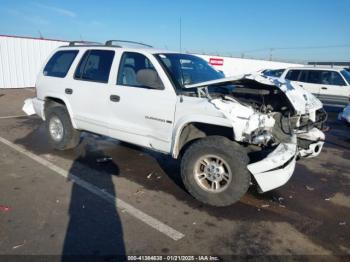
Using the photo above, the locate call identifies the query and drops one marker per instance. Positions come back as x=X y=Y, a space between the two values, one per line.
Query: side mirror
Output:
x=149 y=78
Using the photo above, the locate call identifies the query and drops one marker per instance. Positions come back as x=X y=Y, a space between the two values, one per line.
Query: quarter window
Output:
x=95 y=66
x=59 y=63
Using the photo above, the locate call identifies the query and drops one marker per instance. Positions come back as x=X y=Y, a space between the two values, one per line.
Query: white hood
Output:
x=303 y=101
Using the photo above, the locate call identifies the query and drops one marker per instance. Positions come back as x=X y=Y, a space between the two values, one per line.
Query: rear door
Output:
x=88 y=93
x=140 y=114
x=333 y=89
x=307 y=79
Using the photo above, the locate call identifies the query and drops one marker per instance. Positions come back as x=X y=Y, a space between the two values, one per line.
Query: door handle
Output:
x=68 y=91
x=324 y=88
x=114 y=98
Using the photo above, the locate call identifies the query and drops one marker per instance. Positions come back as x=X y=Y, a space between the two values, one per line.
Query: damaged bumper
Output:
x=311 y=143
x=34 y=106
x=276 y=169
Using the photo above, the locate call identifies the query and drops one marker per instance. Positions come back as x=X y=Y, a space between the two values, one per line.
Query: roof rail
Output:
x=110 y=43
x=74 y=43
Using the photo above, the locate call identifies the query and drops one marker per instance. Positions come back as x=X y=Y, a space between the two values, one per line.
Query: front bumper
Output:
x=276 y=169
x=311 y=143
x=34 y=106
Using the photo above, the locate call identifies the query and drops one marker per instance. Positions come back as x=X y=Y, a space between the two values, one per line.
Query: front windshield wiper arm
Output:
x=203 y=91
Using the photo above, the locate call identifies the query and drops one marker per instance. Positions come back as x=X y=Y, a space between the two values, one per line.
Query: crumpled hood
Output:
x=303 y=101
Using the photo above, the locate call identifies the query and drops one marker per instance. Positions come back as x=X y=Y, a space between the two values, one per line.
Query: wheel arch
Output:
x=54 y=100
x=190 y=131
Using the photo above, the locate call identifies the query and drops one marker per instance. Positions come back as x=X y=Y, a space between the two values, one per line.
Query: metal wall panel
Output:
x=22 y=58
x=232 y=66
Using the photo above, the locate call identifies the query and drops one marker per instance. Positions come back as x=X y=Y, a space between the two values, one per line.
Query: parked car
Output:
x=345 y=115
x=330 y=85
x=228 y=132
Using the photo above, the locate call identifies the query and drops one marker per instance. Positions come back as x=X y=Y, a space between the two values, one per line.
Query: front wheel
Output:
x=214 y=171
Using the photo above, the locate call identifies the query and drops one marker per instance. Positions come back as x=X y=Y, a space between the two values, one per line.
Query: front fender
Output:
x=195 y=118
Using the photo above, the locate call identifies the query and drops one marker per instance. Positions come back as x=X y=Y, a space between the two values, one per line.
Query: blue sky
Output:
x=225 y=27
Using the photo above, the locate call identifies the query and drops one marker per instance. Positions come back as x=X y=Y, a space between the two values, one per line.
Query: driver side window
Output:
x=136 y=70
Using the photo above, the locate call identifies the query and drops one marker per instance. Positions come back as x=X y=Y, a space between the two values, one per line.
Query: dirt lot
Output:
x=66 y=203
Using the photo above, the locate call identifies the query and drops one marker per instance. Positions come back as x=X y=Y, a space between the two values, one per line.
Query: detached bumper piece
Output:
x=28 y=107
x=276 y=169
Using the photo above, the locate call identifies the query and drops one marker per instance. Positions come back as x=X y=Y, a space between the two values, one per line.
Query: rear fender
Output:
x=66 y=103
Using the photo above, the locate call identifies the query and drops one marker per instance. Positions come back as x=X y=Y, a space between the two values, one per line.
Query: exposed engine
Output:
x=268 y=100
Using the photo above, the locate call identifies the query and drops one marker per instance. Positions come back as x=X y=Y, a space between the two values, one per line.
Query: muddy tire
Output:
x=59 y=129
x=214 y=171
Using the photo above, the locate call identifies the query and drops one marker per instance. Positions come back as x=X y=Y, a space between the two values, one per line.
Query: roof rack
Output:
x=74 y=43
x=110 y=43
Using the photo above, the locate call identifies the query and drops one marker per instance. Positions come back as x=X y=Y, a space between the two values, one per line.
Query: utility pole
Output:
x=180 y=39
x=271 y=49
x=40 y=35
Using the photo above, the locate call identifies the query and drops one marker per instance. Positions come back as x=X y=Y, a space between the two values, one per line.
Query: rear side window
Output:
x=314 y=77
x=59 y=63
x=95 y=66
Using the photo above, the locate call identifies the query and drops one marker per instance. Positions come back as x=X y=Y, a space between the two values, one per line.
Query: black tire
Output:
x=236 y=158
x=71 y=136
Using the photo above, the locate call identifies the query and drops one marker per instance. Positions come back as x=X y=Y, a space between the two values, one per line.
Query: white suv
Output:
x=330 y=85
x=228 y=132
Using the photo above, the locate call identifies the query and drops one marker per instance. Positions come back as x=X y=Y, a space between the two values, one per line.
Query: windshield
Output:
x=346 y=75
x=273 y=73
x=188 y=69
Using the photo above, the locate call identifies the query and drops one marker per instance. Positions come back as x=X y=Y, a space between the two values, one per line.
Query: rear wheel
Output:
x=59 y=128
x=214 y=171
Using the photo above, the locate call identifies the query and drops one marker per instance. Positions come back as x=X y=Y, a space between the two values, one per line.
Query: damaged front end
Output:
x=277 y=121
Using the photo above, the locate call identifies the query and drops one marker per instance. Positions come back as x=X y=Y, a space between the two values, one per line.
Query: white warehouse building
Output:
x=22 y=57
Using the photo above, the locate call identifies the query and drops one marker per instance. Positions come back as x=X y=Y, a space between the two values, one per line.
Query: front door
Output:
x=142 y=114
x=333 y=89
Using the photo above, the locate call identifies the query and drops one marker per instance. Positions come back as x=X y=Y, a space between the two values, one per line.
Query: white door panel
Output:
x=333 y=89
x=89 y=102
x=335 y=95
x=312 y=88
x=144 y=116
